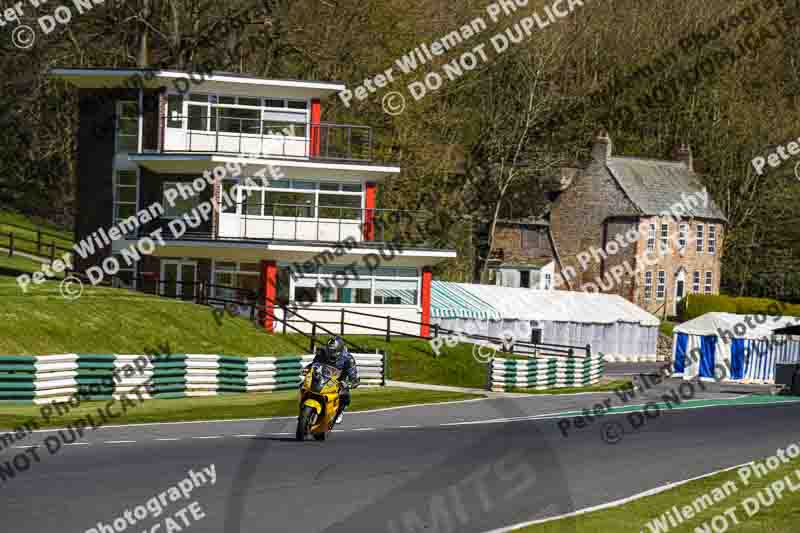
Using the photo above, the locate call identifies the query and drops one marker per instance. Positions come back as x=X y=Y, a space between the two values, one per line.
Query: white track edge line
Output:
x=615 y=503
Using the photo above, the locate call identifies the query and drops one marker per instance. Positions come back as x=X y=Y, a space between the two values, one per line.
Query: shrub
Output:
x=698 y=304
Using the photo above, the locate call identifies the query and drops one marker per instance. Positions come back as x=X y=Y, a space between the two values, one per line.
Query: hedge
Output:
x=698 y=304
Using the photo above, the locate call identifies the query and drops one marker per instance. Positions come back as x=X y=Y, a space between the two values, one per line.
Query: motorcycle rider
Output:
x=337 y=355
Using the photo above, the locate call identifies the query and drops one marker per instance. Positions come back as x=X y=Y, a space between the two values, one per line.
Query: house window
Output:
x=236 y=282
x=127 y=140
x=382 y=286
x=126 y=193
x=181 y=205
x=664 y=237
x=651 y=238
x=683 y=235
x=708 y=282
x=303 y=199
x=648 y=285
x=696 y=282
x=712 y=239
x=245 y=115
x=525 y=279
x=661 y=288
x=701 y=237
x=548 y=281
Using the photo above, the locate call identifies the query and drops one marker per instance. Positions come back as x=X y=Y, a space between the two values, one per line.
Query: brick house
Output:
x=616 y=229
x=146 y=134
x=522 y=255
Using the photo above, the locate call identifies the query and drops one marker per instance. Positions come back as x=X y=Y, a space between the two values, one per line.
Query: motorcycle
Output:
x=319 y=401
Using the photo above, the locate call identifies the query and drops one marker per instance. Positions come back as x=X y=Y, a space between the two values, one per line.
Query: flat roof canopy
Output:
x=214 y=82
x=172 y=163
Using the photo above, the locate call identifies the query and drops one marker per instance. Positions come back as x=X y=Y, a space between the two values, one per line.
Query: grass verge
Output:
x=232 y=406
x=781 y=517
x=600 y=387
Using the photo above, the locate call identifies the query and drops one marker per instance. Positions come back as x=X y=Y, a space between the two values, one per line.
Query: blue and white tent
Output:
x=609 y=323
x=733 y=347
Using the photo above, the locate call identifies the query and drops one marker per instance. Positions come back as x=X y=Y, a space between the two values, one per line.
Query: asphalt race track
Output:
x=458 y=467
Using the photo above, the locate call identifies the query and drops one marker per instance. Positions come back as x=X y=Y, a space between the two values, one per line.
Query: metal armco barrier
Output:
x=57 y=378
x=542 y=373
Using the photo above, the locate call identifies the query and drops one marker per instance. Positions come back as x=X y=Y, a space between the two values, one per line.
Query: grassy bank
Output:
x=105 y=320
x=782 y=517
x=600 y=387
x=233 y=406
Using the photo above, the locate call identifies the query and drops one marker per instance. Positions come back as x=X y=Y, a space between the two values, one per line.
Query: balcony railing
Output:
x=225 y=134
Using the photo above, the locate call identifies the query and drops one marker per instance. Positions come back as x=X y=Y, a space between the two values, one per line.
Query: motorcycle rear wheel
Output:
x=304 y=423
x=320 y=436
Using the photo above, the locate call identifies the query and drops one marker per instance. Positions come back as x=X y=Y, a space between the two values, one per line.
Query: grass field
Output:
x=226 y=407
x=10 y=222
x=782 y=517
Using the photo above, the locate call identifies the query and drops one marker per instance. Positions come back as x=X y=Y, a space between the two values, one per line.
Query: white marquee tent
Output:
x=733 y=347
x=609 y=323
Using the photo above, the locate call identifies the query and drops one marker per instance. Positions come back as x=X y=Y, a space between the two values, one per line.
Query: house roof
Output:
x=656 y=186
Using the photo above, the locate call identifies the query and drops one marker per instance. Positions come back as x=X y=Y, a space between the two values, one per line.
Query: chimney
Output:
x=683 y=153
x=602 y=147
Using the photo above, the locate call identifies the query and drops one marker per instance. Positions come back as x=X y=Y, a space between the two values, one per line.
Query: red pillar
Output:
x=269 y=292
x=316 y=116
x=369 y=214
x=425 y=299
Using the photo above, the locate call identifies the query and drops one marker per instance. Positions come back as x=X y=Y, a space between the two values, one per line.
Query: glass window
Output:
x=198 y=118
x=269 y=102
x=127 y=127
x=352 y=187
x=229 y=190
x=696 y=283
x=340 y=206
x=253 y=102
x=395 y=292
x=253 y=202
x=289 y=204
x=236 y=120
x=664 y=237
x=296 y=104
x=648 y=285
x=198 y=98
x=175 y=111
x=525 y=279
x=125 y=194
x=182 y=205
x=683 y=235
x=712 y=239
x=700 y=243
x=305 y=294
x=661 y=288
x=651 y=238
x=329 y=186
x=709 y=278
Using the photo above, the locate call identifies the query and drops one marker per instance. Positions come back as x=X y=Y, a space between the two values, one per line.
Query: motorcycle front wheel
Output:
x=304 y=423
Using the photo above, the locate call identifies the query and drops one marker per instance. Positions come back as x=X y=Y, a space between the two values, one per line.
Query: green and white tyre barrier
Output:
x=57 y=378
x=543 y=373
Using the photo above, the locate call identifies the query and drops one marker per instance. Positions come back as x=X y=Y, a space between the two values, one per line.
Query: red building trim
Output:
x=425 y=299
x=316 y=116
x=369 y=214
x=269 y=290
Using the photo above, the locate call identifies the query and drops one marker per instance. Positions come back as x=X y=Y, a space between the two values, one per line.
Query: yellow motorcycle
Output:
x=319 y=401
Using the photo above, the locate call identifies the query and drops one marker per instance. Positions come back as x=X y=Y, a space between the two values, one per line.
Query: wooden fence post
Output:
x=389 y=328
x=313 y=336
x=341 y=322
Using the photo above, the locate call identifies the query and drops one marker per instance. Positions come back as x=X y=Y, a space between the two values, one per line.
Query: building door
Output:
x=680 y=290
x=178 y=279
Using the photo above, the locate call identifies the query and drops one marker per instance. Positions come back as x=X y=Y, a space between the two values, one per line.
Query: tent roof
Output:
x=711 y=323
x=493 y=302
